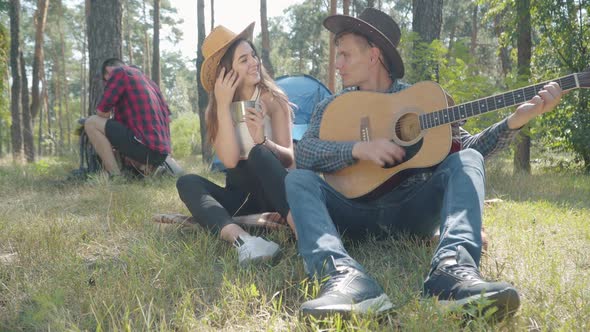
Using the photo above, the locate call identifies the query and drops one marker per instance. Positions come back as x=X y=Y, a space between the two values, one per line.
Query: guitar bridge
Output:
x=365 y=129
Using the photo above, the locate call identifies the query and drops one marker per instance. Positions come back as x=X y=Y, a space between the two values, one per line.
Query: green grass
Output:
x=85 y=256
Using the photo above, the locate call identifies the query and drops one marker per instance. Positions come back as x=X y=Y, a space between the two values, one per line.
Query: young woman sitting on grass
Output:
x=255 y=146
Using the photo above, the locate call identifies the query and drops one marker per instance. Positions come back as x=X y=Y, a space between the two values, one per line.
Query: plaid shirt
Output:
x=137 y=103
x=328 y=156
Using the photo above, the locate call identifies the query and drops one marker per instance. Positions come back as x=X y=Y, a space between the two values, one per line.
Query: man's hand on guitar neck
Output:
x=543 y=102
x=380 y=151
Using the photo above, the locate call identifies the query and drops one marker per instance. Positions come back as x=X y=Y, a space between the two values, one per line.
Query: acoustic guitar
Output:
x=418 y=119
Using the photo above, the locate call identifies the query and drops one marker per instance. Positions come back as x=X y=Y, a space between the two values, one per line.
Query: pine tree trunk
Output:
x=83 y=75
x=203 y=99
x=105 y=41
x=346 y=7
x=127 y=32
x=332 y=54
x=41 y=18
x=265 y=39
x=474 y=30
x=40 y=133
x=58 y=105
x=28 y=140
x=48 y=111
x=427 y=19
x=156 y=42
x=451 y=41
x=146 y=42
x=15 y=100
x=64 y=79
x=504 y=55
x=584 y=104
x=427 y=23
x=522 y=153
x=212 y=14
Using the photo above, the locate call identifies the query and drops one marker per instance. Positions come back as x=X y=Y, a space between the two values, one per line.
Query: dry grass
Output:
x=84 y=256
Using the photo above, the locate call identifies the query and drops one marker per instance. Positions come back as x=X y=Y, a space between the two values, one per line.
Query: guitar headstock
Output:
x=584 y=78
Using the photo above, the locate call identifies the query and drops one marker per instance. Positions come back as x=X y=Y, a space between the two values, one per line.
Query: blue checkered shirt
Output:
x=329 y=156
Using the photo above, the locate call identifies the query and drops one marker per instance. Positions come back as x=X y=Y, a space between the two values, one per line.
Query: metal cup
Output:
x=238 y=109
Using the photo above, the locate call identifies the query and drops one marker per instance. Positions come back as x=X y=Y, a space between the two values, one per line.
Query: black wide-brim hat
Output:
x=379 y=28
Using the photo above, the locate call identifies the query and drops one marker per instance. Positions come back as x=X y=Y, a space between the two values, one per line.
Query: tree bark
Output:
x=522 y=153
x=127 y=32
x=203 y=98
x=103 y=21
x=504 y=55
x=83 y=72
x=16 y=127
x=584 y=151
x=156 y=44
x=28 y=141
x=474 y=25
x=427 y=23
x=40 y=133
x=5 y=78
x=346 y=7
x=265 y=39
x=212 y=15
x=58 y=104
x=41 y=19
x=427 y=19
x=64 y=79
x=146 y=42
x=48 y=111
x=451 y=41
x=332 y=59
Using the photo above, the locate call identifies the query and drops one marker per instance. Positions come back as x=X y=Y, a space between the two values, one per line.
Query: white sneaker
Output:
x=253 y=249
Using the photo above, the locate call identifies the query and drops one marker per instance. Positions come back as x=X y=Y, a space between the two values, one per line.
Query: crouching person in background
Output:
x=139 y=128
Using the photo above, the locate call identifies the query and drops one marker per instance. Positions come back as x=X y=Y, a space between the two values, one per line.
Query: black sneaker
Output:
x=461 y=284
x=348 y=291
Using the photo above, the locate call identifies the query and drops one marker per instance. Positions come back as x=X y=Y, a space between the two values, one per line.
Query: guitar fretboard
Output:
x=496 y=102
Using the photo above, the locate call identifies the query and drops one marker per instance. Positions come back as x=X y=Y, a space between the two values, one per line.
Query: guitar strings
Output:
x=565 y=82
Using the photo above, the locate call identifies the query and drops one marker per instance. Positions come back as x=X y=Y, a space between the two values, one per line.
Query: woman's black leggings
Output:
x=255 y=185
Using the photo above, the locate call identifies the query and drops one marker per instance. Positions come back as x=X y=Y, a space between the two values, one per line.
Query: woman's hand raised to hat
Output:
x=225 y=87
x=255 y=122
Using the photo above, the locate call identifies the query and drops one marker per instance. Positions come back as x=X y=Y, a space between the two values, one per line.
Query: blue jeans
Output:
x=452 y=198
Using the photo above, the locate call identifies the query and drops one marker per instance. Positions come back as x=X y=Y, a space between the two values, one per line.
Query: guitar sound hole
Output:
x=407 y=128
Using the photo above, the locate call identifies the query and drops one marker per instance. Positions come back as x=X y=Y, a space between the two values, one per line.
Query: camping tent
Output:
x=305 y=92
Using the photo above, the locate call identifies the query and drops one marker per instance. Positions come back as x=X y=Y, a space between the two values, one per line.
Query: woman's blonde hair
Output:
x=266 y=84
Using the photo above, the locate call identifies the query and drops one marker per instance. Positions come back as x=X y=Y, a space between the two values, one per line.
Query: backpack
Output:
x=89 y=160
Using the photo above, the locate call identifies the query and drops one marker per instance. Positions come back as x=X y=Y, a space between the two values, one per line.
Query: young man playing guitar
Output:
x=448 y=195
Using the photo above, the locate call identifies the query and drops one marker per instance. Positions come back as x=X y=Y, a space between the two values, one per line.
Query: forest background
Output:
x=472 y=48
x=82 y=255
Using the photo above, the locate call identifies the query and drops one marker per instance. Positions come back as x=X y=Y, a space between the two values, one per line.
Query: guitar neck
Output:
x=493 y=103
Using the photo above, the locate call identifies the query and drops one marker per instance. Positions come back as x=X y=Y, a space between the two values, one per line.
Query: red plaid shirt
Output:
x=137 y=103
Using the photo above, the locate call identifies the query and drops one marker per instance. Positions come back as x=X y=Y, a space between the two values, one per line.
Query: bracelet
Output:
x=263 y=141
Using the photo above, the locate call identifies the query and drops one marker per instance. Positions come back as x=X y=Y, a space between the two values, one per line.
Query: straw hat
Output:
x=379 y=28
x=214 y=47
